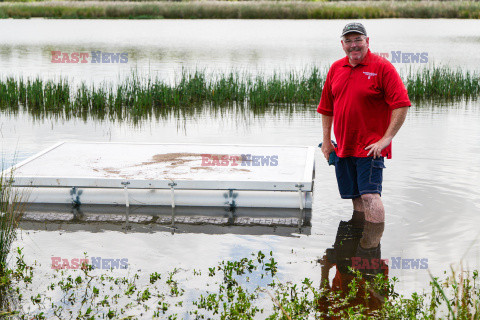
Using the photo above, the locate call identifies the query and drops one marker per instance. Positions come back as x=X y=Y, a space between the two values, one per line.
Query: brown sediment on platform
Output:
x=172 y=157
x=177 y=159
x=111 y=170
x=114 y=171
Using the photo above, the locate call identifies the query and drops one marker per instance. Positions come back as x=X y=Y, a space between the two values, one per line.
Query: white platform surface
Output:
x=98 y=164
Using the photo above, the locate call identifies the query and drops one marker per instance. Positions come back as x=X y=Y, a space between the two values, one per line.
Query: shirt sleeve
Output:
x=396 y=95
x=326 y=101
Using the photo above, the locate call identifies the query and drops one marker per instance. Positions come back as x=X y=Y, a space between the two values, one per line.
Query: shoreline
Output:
x=240 y=10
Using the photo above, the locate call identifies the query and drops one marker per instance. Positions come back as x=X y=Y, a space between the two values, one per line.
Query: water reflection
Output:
x=151 y=219
x=356 y=248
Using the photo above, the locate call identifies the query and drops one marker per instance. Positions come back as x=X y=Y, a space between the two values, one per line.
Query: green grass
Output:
x=241 y=9
x=439 y=83
x=247 y=288
x=136 y=98
x=11 y=207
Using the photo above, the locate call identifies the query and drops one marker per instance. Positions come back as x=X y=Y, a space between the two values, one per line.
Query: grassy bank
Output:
x=247 y=288
x=137 y=98
x=242 y=10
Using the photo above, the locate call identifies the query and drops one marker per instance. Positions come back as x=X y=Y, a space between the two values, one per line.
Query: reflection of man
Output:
x=357 y=246
x=367 y=103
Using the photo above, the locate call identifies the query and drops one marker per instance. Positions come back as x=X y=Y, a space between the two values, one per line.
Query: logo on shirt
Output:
x=370 y=74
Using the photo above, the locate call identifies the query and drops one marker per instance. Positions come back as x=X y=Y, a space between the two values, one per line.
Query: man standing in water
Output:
x=367 y=103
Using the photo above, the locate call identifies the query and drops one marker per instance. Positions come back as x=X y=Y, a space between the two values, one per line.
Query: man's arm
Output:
x=325 y=107
x=398 y=117
x=396 y=122
x=327 y=145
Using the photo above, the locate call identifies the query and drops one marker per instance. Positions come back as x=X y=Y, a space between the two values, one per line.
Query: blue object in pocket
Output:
x=333 y=156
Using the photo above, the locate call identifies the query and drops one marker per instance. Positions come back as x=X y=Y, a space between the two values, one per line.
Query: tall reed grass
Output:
x=242 y=9
x=137 y=98
x=11 y=207
x=442 y=83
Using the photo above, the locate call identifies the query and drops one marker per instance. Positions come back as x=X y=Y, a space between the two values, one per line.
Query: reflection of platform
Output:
x=169 y=175
x=214 y=220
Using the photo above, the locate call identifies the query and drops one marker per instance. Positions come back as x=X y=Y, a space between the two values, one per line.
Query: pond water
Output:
x=431 y=195
x=431 y=186
x=161 y=48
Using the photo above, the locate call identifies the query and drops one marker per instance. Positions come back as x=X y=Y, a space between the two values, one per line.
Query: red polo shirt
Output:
x=361 y=100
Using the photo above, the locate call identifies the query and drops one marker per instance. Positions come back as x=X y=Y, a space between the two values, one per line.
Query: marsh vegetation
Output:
x=137 y=98
x=12 y=205
x=242 y=9
x=247 y=288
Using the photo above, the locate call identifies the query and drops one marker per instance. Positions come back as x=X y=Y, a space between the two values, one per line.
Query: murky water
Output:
x=160 y=48
x=431 y=195
x=431 y=186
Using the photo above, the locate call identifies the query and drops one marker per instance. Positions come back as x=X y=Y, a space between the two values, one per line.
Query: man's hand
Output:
x=377 y=147
x=327 y=148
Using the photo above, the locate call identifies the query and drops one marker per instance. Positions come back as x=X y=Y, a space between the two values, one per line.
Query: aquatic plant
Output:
x=242 y=9
x=138 y=98
x=246 y=288
x=12 y=206
x=442 y=83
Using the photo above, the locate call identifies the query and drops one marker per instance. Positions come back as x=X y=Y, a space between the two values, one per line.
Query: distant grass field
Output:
x=240 y=9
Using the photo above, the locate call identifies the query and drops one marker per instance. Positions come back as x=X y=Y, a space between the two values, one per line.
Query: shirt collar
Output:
x=364 y=62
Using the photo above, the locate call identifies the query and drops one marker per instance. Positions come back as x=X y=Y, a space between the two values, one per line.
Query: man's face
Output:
x=355 y=46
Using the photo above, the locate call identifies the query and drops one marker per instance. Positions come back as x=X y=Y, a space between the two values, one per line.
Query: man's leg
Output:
x=358 y=204
x=358 y=215
x=346 y=174
x=374 y=210
x=370 y=177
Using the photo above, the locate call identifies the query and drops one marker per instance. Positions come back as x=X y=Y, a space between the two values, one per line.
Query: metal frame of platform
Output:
x=230 y=187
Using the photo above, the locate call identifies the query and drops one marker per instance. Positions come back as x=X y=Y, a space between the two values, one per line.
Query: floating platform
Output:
x=155 y=174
